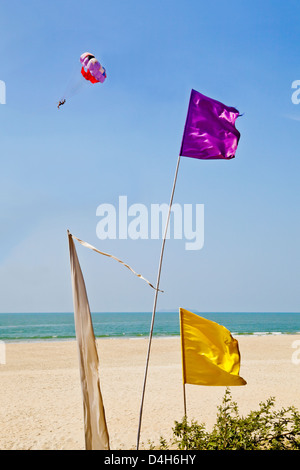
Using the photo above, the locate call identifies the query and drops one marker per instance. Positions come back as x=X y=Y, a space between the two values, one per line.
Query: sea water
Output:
x=23 y=327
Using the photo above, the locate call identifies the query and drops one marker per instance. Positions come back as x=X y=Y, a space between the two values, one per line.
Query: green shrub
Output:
x=265 y=429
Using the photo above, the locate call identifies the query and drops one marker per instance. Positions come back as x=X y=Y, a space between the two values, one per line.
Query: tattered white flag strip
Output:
x=95 y=428
x=87 y=245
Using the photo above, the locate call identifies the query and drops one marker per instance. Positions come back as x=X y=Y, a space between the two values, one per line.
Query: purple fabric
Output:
x=209 y=131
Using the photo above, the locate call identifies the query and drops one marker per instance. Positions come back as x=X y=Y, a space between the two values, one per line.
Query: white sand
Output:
x=40 y=394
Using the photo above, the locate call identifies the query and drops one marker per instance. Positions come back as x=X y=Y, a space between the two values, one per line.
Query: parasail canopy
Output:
x=91 y=69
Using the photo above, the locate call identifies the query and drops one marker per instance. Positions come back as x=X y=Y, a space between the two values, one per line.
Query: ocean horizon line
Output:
x=157 y=311
x=57 y=326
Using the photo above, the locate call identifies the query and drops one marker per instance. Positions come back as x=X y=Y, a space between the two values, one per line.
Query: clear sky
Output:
x=123 y=138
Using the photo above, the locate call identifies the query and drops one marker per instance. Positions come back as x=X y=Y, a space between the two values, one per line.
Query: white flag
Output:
x=96 y=434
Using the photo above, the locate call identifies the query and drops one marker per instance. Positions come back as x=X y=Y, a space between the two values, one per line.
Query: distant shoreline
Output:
x=145 y=338
x=40 y=327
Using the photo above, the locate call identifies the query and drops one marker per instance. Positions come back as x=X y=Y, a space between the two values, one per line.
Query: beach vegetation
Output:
x=264 y=429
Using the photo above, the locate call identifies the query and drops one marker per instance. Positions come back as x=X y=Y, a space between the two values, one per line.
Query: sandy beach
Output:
x=41 y=405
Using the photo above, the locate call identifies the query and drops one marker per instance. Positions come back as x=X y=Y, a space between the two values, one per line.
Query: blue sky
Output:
x=123 y=138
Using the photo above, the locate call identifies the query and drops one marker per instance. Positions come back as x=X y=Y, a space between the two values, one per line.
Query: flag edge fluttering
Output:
x=232 y=378
x=215 y=157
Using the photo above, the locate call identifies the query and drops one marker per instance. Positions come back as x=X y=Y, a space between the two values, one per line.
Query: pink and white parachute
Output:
x=92 y=70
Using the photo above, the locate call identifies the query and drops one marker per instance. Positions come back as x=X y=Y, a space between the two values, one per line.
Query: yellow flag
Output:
x=210 y=355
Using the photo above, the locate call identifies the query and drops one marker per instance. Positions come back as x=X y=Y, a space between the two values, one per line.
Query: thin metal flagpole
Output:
x=182 y=360
x=184 y=400
x=155 y=302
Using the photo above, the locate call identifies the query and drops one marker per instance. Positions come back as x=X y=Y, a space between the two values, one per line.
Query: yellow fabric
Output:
x=210 y=355
x=95 y=428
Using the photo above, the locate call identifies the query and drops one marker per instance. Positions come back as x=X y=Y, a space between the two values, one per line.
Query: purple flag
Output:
x=209 y=131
